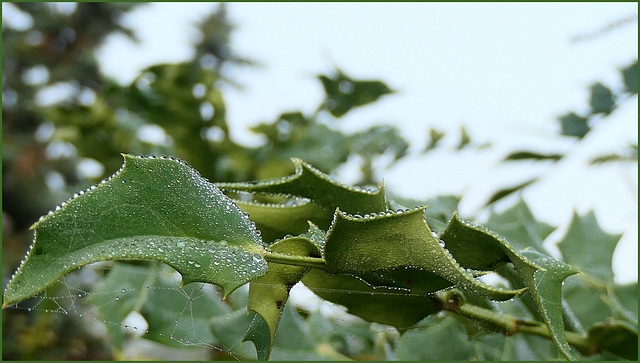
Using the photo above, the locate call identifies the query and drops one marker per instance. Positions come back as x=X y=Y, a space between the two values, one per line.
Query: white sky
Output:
x=504 y=70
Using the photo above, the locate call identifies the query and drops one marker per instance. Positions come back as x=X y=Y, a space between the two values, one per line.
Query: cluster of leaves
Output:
x=101 y=118
x=348 y=245
x=47 y=146
x=603 y=101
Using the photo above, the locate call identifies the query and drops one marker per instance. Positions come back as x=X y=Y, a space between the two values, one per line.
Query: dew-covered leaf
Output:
x=588 y=247
x=546 y=287
x=479 y=249
x=382 y=304
x=398 y=250
x=152 y=209
x=617 y=337
x=278 y=220
x=308 y=182
x=519 y=226
x=269 y=293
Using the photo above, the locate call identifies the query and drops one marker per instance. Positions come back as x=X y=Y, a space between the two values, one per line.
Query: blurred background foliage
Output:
x=64 y=126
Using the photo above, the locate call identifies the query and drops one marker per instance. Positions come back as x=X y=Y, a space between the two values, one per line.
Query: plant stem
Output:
x=304 y=261
x=510 y=325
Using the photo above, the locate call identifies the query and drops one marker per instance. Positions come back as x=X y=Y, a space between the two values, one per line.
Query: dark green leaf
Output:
x=529 y=155
x=508 y=191
x=588 y=247
x=630 y=75
x=154 y=209
x=574 y=125
x=344 y=93
x=380 y=304
x=601 y=99
x=617 y=337
x=398 y=250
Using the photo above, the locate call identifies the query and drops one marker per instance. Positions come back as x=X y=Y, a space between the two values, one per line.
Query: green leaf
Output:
x=278 y=220
x=519 y=226
x=546 y=287
x=119 y=294
x=617 y=337
x=601 y=99
x=152 y=209
x=574 y=125
x=231 y=329
x=476 y=248
x=508 y=191
x=465 y=139
x=434 y=138
x=630 y=75
x=529 y=155
x=398 y=250
x=344 y=93
x=379 y=140
x=588 y=247
x=269 y=293
x=310 y=183
x=376 y=304
x=440 y=338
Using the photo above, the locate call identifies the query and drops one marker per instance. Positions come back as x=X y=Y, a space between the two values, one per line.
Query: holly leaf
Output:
x=384 y=305
x=588 y=247
x=601 y=99
x=269 y=293
x=479 y=249
x=398 y=250
x=546 y=288
x=519 y=226
x=275 y=221
x=617 y=337
x=151 y=209
x=574 y=125
x=344 y=93
x=310 y=183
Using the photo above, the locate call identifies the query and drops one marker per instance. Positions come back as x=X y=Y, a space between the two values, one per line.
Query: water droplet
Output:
x=180 y=244
x=197 y=264
x=117 y=298
x=191 y=262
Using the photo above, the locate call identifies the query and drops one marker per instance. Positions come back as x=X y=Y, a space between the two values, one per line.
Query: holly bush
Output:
x=417 y=281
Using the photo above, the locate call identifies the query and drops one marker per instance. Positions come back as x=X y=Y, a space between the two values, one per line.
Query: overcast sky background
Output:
x=505 y=71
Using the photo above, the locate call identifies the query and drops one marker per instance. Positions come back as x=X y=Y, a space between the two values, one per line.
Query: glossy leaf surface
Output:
x=310 y=183
x=151 y=209
x=398 y=250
